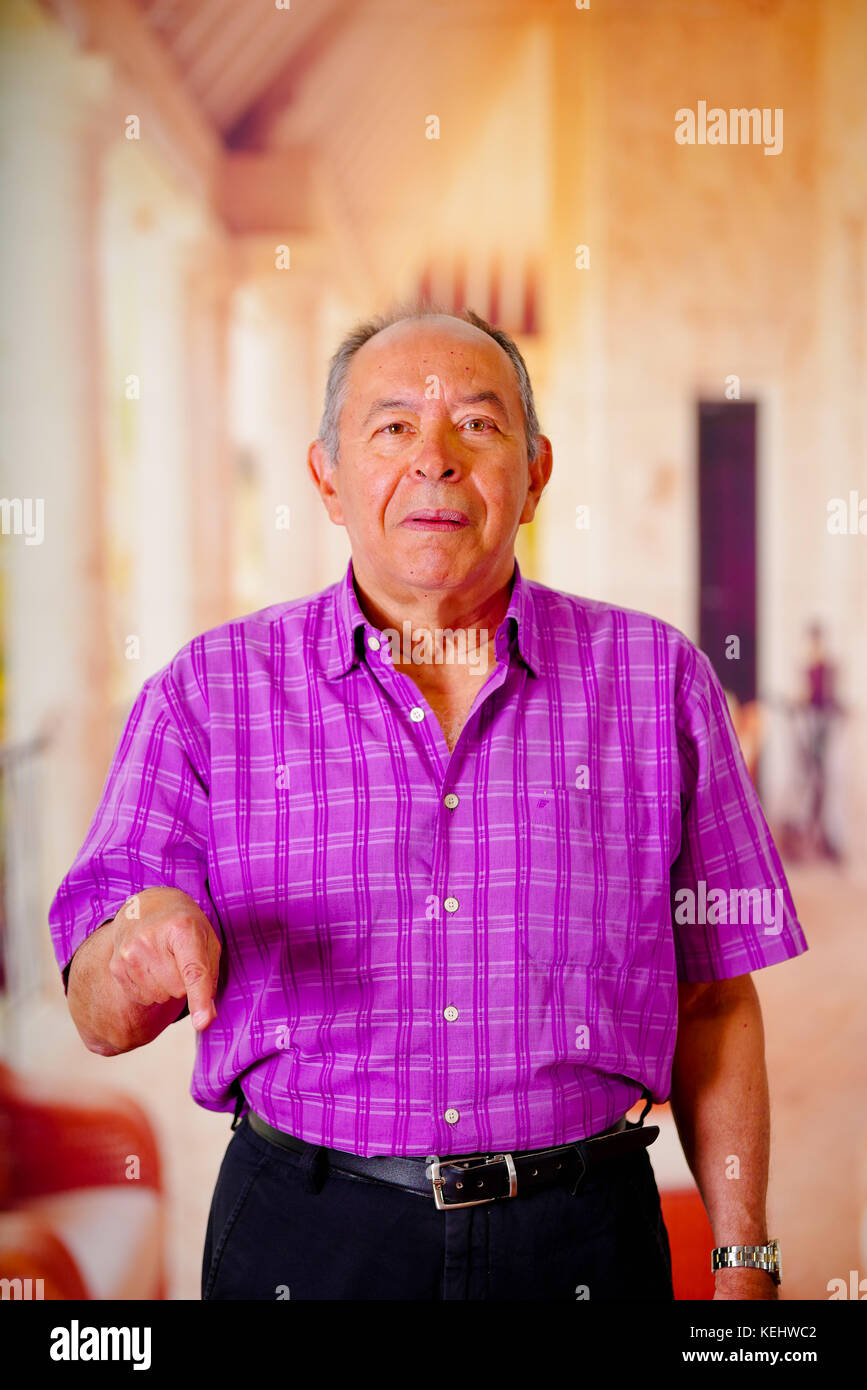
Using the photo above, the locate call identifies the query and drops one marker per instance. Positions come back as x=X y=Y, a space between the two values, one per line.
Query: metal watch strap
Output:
x=766 y=1257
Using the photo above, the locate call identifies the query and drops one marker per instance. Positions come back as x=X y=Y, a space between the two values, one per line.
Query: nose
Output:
x=435 y=461
x=435 y=470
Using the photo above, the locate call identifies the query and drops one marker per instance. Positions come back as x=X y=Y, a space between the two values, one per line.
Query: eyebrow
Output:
x=399 y=403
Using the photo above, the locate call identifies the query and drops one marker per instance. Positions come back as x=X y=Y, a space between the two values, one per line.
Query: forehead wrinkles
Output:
x=404 y=370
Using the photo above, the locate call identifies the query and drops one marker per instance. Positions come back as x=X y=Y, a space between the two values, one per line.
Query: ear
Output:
x=326 y=480
x=540 y=472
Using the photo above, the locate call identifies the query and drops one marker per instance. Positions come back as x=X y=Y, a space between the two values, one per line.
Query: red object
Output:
x=31 y=1254
x=52 y=1144
x=691 y=1240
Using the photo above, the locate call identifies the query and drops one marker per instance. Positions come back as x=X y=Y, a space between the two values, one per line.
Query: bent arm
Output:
x=719 y=1099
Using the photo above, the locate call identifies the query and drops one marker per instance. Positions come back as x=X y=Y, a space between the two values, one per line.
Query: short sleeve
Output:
x=150 y=829
x=732 y=911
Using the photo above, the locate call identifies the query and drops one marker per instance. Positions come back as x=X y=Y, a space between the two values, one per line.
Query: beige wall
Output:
x=705 y=262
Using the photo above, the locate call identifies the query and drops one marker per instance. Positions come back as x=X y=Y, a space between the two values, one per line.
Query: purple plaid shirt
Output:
x=427 y=952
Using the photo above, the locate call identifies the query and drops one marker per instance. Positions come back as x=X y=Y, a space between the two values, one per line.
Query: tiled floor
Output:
x=815 y=1028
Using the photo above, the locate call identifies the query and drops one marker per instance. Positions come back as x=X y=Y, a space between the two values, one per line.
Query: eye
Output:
x=479 y=420
x=392 y=425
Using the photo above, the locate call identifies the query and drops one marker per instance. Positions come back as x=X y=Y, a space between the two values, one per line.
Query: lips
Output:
x=436 y=519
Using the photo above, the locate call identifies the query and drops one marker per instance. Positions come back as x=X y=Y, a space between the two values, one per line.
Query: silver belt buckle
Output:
x=433 y=1171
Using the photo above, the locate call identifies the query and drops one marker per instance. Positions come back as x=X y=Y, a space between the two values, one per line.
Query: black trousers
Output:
x=282 y=1227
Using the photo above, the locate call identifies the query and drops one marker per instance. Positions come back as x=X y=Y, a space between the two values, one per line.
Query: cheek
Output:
x=369 y=496
x=503 y=498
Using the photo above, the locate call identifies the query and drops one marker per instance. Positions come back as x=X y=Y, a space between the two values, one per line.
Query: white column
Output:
x=55 y=658
x=162 y=603
x=163 y=268
x=276 y=408
x=210 y=293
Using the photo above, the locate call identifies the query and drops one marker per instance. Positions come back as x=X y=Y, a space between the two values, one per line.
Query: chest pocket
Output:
x=595 y=875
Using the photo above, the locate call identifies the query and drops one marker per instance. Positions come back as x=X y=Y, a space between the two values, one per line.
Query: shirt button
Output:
x=451 y=800
x=451 y=904
x=450 y=1013
x=452 y=1116
x=416 y=714
x=374 y=643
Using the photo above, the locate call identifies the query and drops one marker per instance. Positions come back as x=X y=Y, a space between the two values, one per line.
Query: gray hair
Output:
x=338 y=372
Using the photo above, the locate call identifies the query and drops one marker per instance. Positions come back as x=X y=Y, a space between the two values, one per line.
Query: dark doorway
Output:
x=727 y=534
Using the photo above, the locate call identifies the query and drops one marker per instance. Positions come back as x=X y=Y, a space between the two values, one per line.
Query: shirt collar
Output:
x=519 y=623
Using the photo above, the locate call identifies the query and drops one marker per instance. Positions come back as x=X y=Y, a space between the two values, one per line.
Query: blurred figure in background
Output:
x=821 y=709
x=807 y=831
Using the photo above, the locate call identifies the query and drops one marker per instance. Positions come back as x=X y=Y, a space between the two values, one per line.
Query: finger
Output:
x=190 y=950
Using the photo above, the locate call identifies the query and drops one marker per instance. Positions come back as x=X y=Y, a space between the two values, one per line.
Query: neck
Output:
x=458 y=610
x=416 y=615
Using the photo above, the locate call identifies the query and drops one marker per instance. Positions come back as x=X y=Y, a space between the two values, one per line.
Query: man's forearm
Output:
x=109 y=1022
x=720 y=1104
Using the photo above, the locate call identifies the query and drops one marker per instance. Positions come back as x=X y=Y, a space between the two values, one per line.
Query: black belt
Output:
x=467 y=1180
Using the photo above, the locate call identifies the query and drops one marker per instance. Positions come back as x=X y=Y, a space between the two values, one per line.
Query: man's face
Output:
x=433 y=478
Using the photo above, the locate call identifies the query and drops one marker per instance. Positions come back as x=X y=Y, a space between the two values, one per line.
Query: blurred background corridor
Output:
x=200 y=198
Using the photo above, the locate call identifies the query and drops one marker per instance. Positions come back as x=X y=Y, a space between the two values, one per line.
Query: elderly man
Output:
x=450 y=870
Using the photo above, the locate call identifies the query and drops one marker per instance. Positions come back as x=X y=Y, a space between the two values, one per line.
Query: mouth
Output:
x=437 y=519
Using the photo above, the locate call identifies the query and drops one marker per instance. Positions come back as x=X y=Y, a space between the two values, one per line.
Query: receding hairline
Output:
x=479 y=395
x=443 y=320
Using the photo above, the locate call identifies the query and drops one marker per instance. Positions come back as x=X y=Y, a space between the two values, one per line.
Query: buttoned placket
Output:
x=455 y=797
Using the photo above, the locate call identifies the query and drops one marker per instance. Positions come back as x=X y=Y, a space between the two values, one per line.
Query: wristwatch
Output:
x=766 y=1257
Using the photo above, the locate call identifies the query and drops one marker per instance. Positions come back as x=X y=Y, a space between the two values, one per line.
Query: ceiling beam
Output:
x=118 y=29
x=253 y=128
